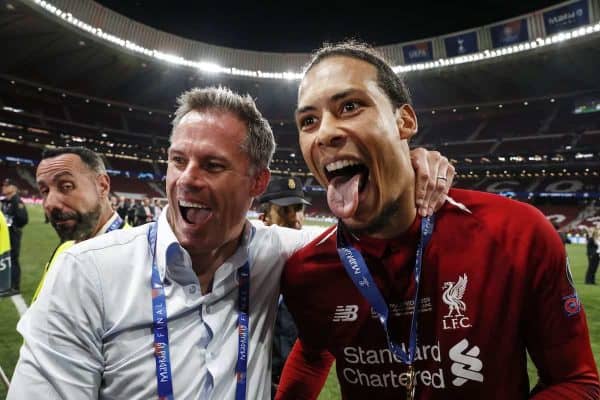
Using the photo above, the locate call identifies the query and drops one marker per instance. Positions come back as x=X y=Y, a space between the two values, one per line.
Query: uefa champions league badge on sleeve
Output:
x=571 y=305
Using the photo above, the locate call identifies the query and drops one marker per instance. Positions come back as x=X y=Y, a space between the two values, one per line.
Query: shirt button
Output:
x=192 y=289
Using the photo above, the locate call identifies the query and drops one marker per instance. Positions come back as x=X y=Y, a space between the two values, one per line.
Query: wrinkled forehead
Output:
x=64 y=164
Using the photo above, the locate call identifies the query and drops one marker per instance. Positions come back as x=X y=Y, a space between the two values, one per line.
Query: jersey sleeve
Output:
x=61 y=356
x=556 y=331
x=304 y=373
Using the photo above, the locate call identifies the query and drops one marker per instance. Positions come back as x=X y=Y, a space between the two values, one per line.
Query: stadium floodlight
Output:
x=210 y=67
x=290 y=75
x=12 y=109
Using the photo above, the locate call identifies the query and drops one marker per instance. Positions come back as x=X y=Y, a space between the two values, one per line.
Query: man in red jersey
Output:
x=411 y=307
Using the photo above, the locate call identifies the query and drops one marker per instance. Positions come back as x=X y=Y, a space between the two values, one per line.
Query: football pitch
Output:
x=39 y=240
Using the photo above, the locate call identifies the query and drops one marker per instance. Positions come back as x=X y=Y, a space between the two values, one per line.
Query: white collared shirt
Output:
x=89 y=336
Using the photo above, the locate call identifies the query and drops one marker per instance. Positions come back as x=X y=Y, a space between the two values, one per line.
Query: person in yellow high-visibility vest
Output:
x=76 y=197
x=5 y=283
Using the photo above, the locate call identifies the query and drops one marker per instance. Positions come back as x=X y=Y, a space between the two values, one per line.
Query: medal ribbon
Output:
x=161 y=332
x=358 y=271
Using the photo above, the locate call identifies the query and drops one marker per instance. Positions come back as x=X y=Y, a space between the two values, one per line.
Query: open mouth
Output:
x=339 y=172
x=194 y=213
x=347 y=179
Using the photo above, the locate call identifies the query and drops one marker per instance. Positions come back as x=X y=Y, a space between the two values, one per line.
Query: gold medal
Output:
x=412 y=383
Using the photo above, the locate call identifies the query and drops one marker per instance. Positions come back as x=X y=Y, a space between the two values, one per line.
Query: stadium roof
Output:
x=302 y=26
x=39 y=48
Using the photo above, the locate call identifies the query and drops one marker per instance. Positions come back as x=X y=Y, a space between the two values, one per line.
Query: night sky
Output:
x=302 y=26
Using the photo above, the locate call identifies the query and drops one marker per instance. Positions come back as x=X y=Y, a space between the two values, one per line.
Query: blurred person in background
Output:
x=133 y=205
x=283 y=204
x=123 y=207
x=439 y=307
x=563 y=235
x=5 y=259
x=157 y=209
x=593 y=255
x=16 y=216
x=144 y=212
x=75 y=191
x=114 y=202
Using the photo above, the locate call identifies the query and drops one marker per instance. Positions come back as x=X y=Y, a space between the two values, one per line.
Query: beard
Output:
x=83 y=228
x=390 y=210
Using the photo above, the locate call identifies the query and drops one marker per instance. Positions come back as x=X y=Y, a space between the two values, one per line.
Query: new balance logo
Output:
x=466 y=366
x=347 y=313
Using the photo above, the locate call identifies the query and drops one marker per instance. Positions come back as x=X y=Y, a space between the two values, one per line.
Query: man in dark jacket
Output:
x=283 y=204
x=16 y=217
x=593 y=236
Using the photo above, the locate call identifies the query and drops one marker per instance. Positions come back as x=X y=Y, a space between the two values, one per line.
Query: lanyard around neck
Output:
x=358 y=271
x=161 y=332
x=116 y=224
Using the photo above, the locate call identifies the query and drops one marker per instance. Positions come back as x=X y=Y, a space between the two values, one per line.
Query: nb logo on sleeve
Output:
x=347 y=313
x=466 y=366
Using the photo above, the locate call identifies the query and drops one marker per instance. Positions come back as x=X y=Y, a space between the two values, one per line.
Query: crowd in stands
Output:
x=138 y=211
x=520 y=149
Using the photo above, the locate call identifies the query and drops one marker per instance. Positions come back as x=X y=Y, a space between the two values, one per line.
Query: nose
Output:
x=329 y=133
x=192 y=176
x=53 y=201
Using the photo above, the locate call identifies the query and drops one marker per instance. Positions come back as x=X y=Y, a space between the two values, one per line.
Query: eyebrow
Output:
x=55 y=178
x=335 y=97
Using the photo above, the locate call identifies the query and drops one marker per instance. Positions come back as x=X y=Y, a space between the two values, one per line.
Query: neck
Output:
x=399 y=222
x=206 y=263
x=394 y=219
x=105 y=214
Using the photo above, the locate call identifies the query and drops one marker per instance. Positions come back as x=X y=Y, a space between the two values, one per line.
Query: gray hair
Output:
x=259 y=143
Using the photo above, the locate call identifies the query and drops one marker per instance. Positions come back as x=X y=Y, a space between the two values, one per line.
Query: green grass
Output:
x=39 y=240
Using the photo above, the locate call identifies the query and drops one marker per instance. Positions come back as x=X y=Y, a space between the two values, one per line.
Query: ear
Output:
x=260 y=182
x=103 y=182
x=406 y=120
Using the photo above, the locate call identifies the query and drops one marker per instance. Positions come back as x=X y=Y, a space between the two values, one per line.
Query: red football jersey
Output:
x=494 y=284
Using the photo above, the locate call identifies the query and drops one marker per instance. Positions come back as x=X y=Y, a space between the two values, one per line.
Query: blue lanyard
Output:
x=161 y=331
x=358 y=271
x=116 y=224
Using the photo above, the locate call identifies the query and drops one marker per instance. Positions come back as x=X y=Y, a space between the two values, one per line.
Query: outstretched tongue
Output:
x=196 y=215
x=342 y=195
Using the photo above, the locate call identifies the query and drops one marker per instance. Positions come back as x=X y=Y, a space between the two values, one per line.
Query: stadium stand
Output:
x=507 y=123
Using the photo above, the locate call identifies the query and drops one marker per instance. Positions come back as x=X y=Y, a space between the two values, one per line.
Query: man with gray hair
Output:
x=181 y=308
